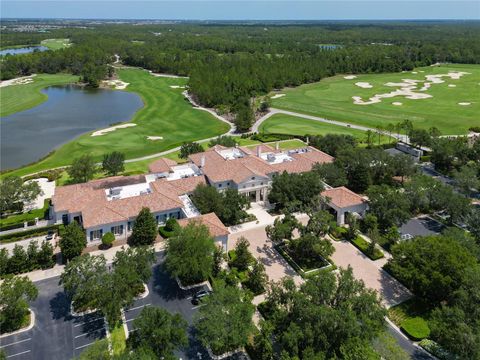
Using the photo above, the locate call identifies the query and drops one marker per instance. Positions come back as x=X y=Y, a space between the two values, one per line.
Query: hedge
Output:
x=164 y=233
x=416 y=328
x=362 y=245
x=17 y=221
x=29 y=233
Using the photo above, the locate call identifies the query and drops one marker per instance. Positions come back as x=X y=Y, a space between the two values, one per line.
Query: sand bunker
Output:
x=364 y=85
x=452 y=85
x=276 y=96
x=414 y=72
x=112 y=128
x=177 y=87
x=153 y=138
x=18 y=81
x=349 y=77
x=464 y=103
x=408 y=88
x=116 y=84
x=396 y=103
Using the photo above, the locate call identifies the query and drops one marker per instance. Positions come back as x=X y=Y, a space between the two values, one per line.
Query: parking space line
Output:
x=196 y=307
x=20 y=353
x=138 y=307
x=17 y=342
x=91 y=332
x=87 y=322
x=81 y=347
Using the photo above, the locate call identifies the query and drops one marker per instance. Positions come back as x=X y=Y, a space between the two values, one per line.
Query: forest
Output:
x=230 y=64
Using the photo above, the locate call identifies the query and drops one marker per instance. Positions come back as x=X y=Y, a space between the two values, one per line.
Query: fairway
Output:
x=55 y=44
x=332 y=98
x=292 y=125
x=166 y=113
x=16 y=98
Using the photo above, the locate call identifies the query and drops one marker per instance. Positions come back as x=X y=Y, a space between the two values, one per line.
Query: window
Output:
x=261 y=183
x=219 y=185
x=228 y=184
x=158 y=218
x=117 y=230
x=253 y=178
x=129 y=225
x=96 y=235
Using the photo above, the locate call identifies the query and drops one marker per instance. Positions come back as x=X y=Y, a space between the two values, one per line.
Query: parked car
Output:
x=50 y=235
x=406 y=237
x=200 y=295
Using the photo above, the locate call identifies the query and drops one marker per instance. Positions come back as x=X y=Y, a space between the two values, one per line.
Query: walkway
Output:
x=274 y=111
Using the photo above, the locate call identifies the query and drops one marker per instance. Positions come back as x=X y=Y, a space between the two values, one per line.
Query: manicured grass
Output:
x=166 y=113
x=15 y=98
x=118 y=339
x=416 y=328
x=293 y=125
x=27 y=216
x=332 y=98
x=55 y=44
x=412 y=317
x=362 y=245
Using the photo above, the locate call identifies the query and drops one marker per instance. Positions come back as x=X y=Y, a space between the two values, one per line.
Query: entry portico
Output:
x=343 y=201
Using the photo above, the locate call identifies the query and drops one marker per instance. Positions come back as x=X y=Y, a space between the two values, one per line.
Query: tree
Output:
x=15 y=293
x=420 y=137
x=218 y=257
x=189 y=254
x=389 y=205
x=98 y=351
x=257 y=279
x=207 y=199
x=189 y=148
x=319 y=223
x=312 y=322
x=224 y=140
x=224 y=323
x=433 y=267
x=14 y=193
x=144 y=230
x=331 y=173
x=333 y=143
x=113 y=163
x=45 y=258
x=309 y=247
x=404 y=166
x=282 y=229
x=264 y=105
x=243 y=256
x=233 y=207
x=73 y=241
x=3 y=262
x=159 y=331
x=82 y=169
x=244 y=118
x=467 y=179
x=107 y=239
x=18 y=262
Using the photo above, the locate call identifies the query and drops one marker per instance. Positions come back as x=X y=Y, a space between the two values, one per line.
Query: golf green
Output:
x=453 y=105
x=15 y=98
x=55 y=44
x=166 y=114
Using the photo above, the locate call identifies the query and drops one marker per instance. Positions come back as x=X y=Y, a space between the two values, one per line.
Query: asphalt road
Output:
x=415 y=352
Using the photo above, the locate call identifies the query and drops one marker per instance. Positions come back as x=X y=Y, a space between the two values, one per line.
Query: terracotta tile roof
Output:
x=161 y=165
x=186 y=185
x=211 y=221
x=342 y=197
x=218 y=169
x=91 y=201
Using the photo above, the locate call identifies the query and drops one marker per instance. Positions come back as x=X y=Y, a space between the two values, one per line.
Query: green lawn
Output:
x=166 y=113
x=27 y=216
x=55 y=44
x=332 y=98
x=15 y=98
x=118 y=339
x=412 y=317
x=293 y=125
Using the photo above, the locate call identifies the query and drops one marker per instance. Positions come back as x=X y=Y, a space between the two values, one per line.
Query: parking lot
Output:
x=421 y=226
x=59 y=335
x=56 y=334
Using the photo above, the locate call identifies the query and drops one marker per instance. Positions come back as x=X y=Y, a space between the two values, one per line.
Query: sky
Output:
x=243 y=10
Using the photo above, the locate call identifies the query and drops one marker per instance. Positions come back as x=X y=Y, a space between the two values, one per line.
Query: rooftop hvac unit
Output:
x=115 y=191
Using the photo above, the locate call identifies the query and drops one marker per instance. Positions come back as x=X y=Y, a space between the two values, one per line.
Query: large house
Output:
x=112 y=204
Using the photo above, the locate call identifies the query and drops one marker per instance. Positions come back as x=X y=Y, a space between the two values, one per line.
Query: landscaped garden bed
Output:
x=305 y=267
x=412 y=317
x=4 y=239
x=18 y=220
x=364 y=246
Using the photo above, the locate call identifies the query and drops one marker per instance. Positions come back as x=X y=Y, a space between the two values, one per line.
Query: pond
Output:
x=70 y=111
x=22 y=50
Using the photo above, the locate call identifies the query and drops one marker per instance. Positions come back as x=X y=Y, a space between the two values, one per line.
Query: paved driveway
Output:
x=391 y=291
x=275 y=265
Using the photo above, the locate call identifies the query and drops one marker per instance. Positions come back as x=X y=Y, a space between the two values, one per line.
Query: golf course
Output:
x=55 y=44
x=24 y=96
x=166 y=121
x=444 y=96
x=292 y=125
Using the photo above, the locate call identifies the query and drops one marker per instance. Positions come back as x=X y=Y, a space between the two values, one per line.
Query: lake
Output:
x=70 y=111
x=23 y=50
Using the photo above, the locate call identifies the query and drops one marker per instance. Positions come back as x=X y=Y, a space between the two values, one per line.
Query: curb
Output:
x=29 y=327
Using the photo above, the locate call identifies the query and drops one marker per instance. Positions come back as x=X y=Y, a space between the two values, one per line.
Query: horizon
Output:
x=250 y=10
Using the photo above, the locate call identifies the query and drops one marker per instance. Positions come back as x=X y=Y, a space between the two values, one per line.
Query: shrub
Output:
x=171 y=225
x=29 y=233
x=108 y=239
x=474 y=129
x=364 y=246
x=416 y=328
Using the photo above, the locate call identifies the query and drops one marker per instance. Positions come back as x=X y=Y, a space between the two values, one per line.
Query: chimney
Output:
x=259 y=151
x=277 y=146
x=202 y=161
